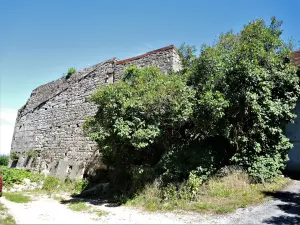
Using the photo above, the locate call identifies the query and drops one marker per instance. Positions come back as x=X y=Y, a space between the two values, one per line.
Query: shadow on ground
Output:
x=106 y=202
x=289 y=204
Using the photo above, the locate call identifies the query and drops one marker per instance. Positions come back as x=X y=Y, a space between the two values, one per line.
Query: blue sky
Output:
x=40 y=40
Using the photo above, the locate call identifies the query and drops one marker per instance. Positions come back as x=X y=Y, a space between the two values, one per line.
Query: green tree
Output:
x=187 y=56
x=139 y=118
x=251 y=70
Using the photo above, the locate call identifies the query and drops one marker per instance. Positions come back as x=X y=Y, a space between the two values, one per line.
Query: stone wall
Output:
x=50 y=123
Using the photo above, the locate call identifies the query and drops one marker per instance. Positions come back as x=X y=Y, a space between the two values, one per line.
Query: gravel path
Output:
x=284 y=209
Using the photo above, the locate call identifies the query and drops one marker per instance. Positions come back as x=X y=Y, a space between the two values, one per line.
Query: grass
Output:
x=218 y=195
x=16 y=197
x=5 y=218
x=78 y=206
x=99 y=212
x=58 y=198
x=83 y=207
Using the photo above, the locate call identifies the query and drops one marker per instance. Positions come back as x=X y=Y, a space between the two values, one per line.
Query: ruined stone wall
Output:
x=165 y=58
x=50 y=123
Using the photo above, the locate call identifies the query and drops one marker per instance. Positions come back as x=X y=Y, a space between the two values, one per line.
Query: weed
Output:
x=70 y=72
x=15 y=176
x=99 y=212
x=31 y=154
x=51 y=183
x=79 y=186
x=14 y=156
x=218 y=195
x=78 y=206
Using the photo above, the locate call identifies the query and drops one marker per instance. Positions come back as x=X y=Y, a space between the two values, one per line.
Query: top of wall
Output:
x=43 y=93
x=146 y=54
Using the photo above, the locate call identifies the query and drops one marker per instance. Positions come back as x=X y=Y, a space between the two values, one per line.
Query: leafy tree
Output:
x=187 y=56
x=227 y=106
x=251 y=70
x=140 y=117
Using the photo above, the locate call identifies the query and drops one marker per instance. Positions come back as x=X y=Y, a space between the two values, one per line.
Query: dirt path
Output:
x=284 y=209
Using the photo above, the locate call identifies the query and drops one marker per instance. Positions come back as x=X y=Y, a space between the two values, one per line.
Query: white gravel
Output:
x=284 y=209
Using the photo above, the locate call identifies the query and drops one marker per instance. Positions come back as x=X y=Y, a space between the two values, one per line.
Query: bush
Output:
x=80 y=185
x=221 y=194
x=31 y=153
x=139 y=118
x=52 y=183
x=15 y=176
x=253 y=73
x=70 y=72
x=14 y=156
x=4 y=160
x=227 y=107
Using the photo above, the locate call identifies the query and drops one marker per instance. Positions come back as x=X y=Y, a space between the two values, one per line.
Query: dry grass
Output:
x=218 y=195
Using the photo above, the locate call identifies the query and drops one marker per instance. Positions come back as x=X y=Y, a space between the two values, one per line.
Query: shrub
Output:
x=4 y=160
x=221 y=194
x=139 y=118
x=15 y=176
x=80 y=185
x=227 y=107
x=14 y=156
x=70 y=72
x=31 y=153
x=52 y=183
x=253 y=73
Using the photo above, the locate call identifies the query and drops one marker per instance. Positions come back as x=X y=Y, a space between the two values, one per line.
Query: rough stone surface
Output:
x=50 y=123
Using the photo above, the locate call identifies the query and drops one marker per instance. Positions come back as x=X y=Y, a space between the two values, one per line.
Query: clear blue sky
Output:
x=40 y=40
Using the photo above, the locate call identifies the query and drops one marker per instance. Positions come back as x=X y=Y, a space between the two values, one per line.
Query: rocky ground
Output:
x=283 y=209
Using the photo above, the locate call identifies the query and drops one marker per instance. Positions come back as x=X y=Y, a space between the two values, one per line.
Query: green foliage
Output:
x=226 y=107
x=135 y=114
x=187 y=56
x=80 y=185
x=78 y=206
x=14 y=156
x=52 y=183
x=70 y=72
x=31 y=153
x=15 y=176
x=260 y=87
x=4 y=160
x=217 y=195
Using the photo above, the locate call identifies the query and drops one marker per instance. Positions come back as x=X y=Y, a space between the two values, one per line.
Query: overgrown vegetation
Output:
x=227 y=107
x=4 y=160
x=218 y=195
x=15 y=176
x=31 y=154
x=14 y=156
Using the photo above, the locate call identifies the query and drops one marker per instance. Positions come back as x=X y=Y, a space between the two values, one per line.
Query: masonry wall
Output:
x=50 y=123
